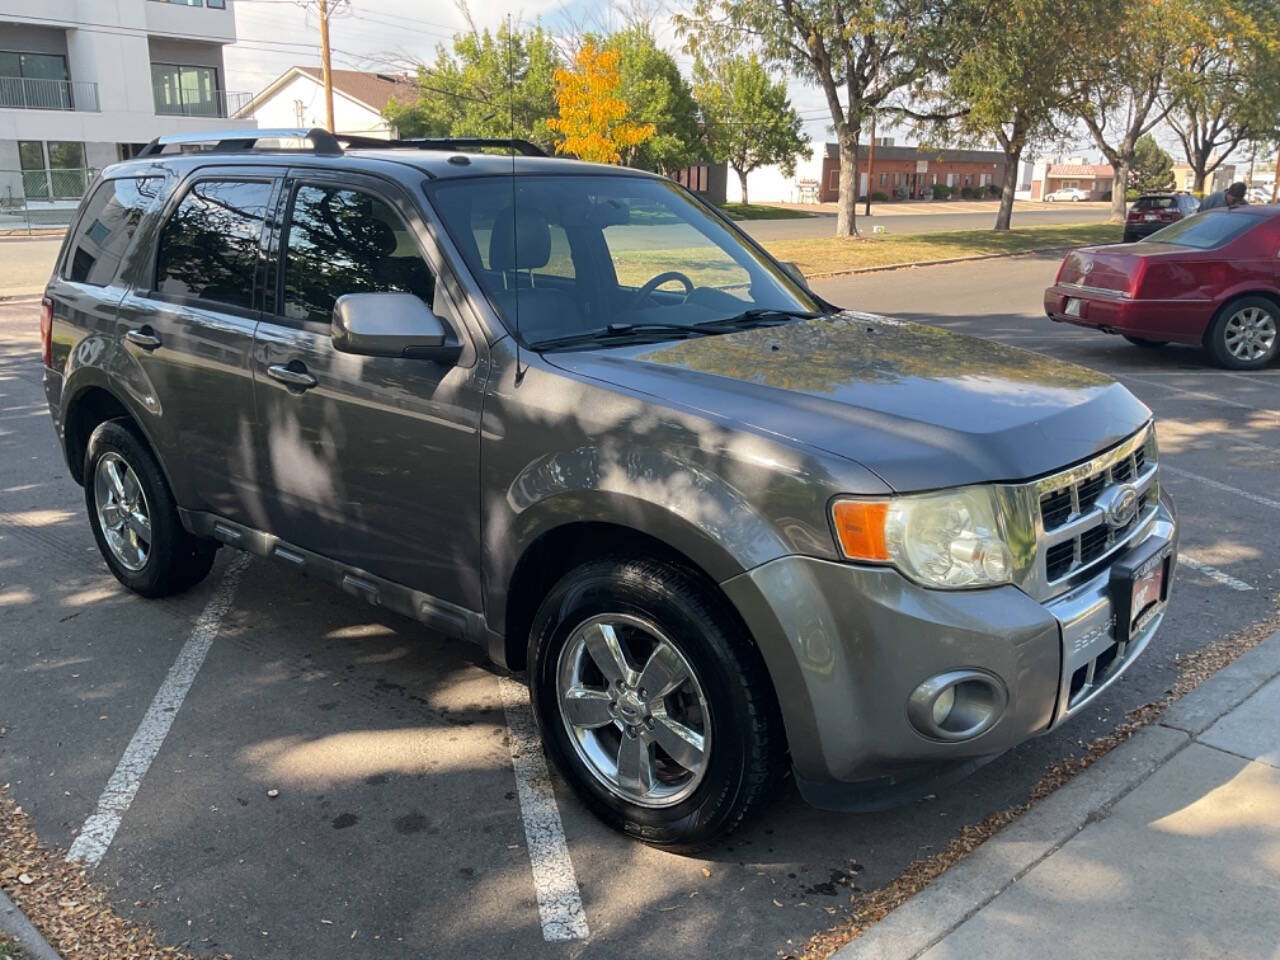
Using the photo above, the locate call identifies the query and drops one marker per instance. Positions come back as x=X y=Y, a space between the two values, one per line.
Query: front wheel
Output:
x=1143 y=342
x=1244 y=335
x=652 y=703
x=134 y=517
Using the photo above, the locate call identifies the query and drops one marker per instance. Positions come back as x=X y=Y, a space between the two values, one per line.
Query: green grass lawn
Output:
x=762 y=211
x=832 y=254
x=8 y=951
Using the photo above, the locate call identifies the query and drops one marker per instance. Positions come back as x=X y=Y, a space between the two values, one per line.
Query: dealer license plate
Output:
x=1075 y=307
x=1148 y=595
x=1151 y=216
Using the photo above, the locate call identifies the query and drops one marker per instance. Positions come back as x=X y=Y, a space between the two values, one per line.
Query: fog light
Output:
x=957 y=705
x=943 y=704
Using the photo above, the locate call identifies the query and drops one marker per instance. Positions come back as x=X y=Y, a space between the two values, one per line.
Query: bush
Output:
x=880 y=196
x=941 y=191
x=993 y=189
x=1131 y=194
x=968 y=193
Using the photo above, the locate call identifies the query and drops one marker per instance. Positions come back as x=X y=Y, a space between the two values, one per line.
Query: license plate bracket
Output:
x=1140 y=586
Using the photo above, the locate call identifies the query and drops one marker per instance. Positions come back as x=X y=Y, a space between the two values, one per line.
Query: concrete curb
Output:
x=826 y=275
x=15 y=925
x=975 y=881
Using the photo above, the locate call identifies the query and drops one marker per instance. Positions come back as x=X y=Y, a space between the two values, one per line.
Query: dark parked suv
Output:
x=572 y=414
x=1155 y=211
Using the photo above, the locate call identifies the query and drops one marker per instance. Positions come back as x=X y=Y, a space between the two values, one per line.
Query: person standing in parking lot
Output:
x=1233 y=196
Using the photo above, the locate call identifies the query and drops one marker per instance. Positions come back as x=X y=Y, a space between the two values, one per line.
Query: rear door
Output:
x=371 y=461
x=189 y=324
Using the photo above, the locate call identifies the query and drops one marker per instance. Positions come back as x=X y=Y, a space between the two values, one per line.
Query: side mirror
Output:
x=792 y=270
x=391 y=325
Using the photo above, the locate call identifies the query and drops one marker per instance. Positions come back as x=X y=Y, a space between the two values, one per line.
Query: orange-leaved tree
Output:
x=593 y=117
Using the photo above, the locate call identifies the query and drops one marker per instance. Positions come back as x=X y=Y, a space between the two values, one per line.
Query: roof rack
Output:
x=515 y=144
x=325 y=143
x=236 y=141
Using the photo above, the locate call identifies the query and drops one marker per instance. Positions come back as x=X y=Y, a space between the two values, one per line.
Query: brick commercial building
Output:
x=911 y=172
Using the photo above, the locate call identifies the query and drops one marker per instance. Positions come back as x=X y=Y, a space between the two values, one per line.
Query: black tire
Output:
x=175 y=560
x=747 y=753
x=1215 y=338
x=1142 y=342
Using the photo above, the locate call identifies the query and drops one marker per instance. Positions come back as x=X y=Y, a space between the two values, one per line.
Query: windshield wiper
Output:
x=755 y=317
x=620 y=331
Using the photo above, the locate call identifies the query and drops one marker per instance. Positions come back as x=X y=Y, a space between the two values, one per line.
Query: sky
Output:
x=388 y=35
x=383 y=35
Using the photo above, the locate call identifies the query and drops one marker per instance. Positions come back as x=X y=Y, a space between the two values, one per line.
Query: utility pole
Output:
x=325 y=73
x=871 y=162
x=1275 y=182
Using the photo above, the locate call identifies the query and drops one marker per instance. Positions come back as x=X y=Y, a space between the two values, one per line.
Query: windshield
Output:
x=1206 y=231
x=562 y=256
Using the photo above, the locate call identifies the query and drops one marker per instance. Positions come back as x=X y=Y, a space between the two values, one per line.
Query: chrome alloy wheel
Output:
x=1250 y=333
x=634 y=710
x=123 y=513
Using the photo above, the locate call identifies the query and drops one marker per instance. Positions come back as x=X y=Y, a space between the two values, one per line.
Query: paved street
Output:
x=899 y=219
x=397 y=830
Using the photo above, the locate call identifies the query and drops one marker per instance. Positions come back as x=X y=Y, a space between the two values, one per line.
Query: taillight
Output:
x=1062 y=268
x=1135 y=214
x=1135 y=282
x=46 y=330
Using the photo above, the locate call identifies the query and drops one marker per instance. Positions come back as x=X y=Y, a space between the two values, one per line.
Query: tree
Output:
x=593 y=120
x=656 y=93
x=1227 y=90
x=486 y=84
x=1152 y=165
x=995 y=82
x=749 y=118
x=1117 y=87
x=863 y=50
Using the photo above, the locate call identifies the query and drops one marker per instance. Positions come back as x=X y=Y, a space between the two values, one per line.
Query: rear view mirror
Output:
x=391 y=325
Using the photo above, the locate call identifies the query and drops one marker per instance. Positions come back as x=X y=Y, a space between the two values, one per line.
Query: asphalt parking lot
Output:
x=397 y=830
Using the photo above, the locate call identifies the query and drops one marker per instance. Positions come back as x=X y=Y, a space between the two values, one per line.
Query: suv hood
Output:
x=920 y=406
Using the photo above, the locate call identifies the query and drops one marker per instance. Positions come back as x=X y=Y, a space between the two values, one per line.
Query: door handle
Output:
x=143 y=337
x=293 y=378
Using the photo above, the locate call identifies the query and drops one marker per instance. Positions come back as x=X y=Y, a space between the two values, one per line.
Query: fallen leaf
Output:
x=25 y=879
x=776 y=903
x=273 y=793
x=706 y=872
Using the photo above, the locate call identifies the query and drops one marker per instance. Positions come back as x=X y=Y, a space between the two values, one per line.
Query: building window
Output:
x=53 y=171
x=897 y=177
x=34 y=81
x=833 y=180
x=884 y=179
x=186 y=91
x=184 y=3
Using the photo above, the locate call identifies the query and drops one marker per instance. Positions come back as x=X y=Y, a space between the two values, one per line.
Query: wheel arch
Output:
x=92 y=403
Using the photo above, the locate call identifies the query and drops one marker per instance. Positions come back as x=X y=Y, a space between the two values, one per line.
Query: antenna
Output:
x=515 y=225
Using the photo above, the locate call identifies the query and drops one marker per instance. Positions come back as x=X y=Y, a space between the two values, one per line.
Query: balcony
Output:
x=184 y=102
x=30 y=93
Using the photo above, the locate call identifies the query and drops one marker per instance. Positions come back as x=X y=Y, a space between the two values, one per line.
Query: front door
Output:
x=372 y=461
x=189 y=322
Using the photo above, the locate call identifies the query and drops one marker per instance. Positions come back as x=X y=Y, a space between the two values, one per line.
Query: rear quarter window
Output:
x=106 y=229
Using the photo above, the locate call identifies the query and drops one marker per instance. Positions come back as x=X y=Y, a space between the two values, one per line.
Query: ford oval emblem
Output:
x=1121 y=506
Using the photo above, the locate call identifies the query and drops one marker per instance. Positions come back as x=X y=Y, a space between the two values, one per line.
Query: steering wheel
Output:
x=644 y=292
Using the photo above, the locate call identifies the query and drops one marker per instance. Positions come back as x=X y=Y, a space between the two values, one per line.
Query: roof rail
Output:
x=514 y=144
x=324 y=142
x=234 y=141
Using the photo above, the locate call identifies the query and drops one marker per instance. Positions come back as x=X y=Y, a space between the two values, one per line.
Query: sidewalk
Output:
x=1168 y=847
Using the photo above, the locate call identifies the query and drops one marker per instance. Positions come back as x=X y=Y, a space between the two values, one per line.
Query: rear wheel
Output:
x=1142 y=342
x=1245 y=334
x=134 y=517
x=651 y=703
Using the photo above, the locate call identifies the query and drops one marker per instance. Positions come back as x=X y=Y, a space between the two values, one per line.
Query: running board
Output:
x=448 y=618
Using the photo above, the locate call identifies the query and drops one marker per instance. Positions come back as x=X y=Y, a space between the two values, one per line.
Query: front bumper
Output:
x=846 y=646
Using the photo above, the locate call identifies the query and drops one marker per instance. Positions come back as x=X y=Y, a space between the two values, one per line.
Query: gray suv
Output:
x=571 y=413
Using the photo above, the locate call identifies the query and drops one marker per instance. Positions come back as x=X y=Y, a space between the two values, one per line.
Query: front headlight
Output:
x=952 y=538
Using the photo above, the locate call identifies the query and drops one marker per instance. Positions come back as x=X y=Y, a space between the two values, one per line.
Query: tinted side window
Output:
x=346 y=241
x=209 y=247
x=107 y=227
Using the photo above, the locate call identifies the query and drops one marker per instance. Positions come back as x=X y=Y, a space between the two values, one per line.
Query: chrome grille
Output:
x=1067 y=517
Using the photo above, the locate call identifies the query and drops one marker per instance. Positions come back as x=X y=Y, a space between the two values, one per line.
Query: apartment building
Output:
x=84 y=83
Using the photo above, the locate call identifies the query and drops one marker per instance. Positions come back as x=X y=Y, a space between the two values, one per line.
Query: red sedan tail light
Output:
x=46 y=330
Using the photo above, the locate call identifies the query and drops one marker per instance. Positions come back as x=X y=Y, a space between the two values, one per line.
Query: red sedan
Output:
x=1212 y=279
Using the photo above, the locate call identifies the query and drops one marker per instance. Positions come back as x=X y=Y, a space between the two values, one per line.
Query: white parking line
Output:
x=1219 y=485
x=98 y=831
x=1213 y=573
x=559 y=900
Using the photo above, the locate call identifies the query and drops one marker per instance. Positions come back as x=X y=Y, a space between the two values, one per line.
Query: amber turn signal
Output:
x=860 y=528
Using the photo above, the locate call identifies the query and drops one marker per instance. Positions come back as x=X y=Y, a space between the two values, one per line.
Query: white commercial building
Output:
x=84 y=83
